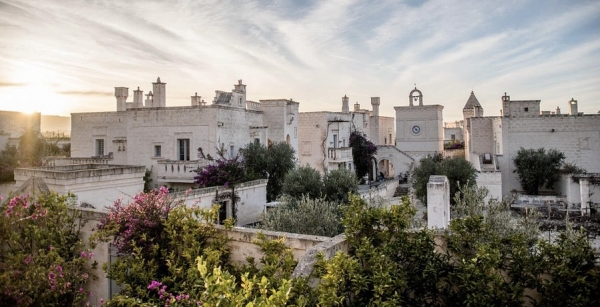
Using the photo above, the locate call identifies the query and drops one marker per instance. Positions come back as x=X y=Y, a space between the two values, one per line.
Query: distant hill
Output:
x=58 y=124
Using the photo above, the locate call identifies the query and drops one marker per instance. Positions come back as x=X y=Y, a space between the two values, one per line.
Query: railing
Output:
x=178 y=171
x=340 y=154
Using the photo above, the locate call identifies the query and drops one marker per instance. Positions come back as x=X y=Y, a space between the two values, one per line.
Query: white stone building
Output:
x=167 y=140
x=492 y=142
x=419 y=128
x=324 y=137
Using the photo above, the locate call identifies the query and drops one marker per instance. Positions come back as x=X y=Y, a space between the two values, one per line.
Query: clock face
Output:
x=416 y=129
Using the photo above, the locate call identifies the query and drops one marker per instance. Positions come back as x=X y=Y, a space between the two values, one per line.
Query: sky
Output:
x=63 y=56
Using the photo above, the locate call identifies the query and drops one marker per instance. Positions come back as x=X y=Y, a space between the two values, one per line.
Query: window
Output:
x=99 y=147
x=335 y=141
x=256 y=141
x=157 y=150
x=231 y=151
x=240 y=102
x=384 y=141
x=526 y=109
x=183 y=149
x=453 y=137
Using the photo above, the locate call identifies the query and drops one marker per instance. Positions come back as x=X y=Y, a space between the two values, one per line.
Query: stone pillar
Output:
x=438 y=202
x=149 y=100
x=138 y=98
x=160 y=93
x=345 y=105
x=375 y=105
x=121 y=94
x=584 y=189
x=196 y=100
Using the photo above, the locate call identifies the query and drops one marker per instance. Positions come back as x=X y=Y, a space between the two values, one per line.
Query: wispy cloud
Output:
x=10 y=84
x=312 y=51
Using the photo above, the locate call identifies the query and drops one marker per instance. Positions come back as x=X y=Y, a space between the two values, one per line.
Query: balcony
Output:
x=178 y=171
x=343 y=154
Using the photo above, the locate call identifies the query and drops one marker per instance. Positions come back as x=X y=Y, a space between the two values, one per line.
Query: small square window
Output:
x=526 y=109
x=157 y=150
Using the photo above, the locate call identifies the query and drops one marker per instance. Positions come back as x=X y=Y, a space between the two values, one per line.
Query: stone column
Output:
x=438 y=202
x=584 y=189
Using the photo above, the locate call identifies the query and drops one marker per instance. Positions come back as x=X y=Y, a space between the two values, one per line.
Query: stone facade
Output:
x=324 y=137
x=167 y=140
x=419 y=128
x=493 y=142
x=96 y=185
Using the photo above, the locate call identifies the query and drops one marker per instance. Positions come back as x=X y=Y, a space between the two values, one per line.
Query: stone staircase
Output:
x=401 y=191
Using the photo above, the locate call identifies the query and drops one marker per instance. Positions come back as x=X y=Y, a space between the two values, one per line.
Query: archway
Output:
x=386 y=167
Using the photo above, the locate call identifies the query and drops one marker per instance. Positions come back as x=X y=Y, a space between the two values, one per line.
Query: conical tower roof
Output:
x=472 y=102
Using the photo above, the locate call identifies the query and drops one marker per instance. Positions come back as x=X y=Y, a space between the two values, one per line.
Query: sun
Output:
x=32 y=92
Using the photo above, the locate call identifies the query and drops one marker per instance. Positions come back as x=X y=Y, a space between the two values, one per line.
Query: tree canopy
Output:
x=272 y=162
x=538 y=168
x=458 y=171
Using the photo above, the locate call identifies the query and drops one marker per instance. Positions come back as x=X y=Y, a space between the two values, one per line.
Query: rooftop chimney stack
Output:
x=138 y=98
x=149 y=100
x=573 y=107
x=345 y=106
x=196 y=100
x=356 y=107
x=375 y=104
x=240 y=88
x=121 y=93
x=160 y=92
x=557 y=111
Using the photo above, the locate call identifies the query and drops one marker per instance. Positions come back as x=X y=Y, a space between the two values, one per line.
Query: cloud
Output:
x=85 y=93
x=10 y=84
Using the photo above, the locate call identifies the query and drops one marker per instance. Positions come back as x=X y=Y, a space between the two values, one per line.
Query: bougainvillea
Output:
x=158 y=238
x=43 y=261
x=363 y=152
x=222 y=172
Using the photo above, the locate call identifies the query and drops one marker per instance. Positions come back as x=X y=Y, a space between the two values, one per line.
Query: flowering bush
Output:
x=158 y=238
x=224 y=172
x=43 y=261
x=363 y=152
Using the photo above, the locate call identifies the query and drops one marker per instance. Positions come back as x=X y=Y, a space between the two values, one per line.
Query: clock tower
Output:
x=419 y=127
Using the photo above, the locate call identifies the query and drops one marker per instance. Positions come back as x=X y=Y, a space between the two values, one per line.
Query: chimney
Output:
x=557 y=111
x=138 y=98
x=375 y=104
x=573 y=107
x=159 y=89
x=345 y=107
x=196 y=100
x=121 y=93
x=240 y=88
x=356 y=107
x=149 y=100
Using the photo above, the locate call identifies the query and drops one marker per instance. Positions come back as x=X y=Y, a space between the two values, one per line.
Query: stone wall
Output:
x=493 y=182
x=241 y=246
x=578 y=137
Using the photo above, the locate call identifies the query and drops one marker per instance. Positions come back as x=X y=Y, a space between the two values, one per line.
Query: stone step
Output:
x=401 y=191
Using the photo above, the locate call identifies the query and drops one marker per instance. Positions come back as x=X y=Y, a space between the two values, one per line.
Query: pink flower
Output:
x=27 y=259
x=83 y=254
x=51 y=248
x=68 y=284
x=91 y=293
x=58 y=268
x=101 y=301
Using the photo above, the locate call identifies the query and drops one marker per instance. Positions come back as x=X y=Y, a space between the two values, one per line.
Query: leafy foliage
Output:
x=338 y=183
x=363 y=152
x=273 y=163
x=312 y=216
x=458 y=171
x=538 y=168
x=223 y=172
x=301 y=181
x=43 y=261
x=158 y=238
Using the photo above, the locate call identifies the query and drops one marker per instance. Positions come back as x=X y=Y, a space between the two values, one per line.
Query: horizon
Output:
x=62 y=57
